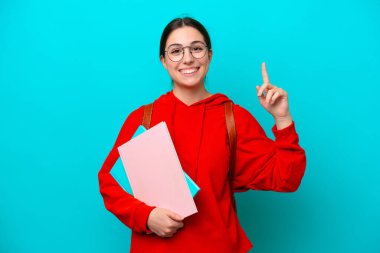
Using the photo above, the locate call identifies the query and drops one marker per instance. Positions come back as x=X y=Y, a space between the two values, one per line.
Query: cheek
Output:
x=171 y=67
x=205 y=65
x=204 y=61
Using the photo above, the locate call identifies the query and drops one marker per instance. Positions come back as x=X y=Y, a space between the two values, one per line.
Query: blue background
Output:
x=71 y=71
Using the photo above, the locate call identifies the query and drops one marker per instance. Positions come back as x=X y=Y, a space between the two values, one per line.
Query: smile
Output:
x=189 y=71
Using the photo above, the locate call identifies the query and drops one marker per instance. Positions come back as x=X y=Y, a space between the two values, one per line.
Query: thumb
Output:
x=174 y=216
x=261 y=98
x=257 y=89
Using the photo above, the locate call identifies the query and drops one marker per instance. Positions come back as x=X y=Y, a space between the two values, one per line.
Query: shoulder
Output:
x=133 y=120
x=241 y=111
x=245 y=121
x=242 y=114
x=136 y=114
x=131 y=123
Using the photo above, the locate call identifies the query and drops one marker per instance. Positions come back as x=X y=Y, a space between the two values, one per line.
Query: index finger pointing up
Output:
x=264 y=73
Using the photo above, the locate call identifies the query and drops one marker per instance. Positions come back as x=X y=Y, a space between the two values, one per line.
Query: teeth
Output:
x=188 y=71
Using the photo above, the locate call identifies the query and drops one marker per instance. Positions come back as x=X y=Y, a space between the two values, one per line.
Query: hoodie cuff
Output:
x=286 y=133
x=141 y=218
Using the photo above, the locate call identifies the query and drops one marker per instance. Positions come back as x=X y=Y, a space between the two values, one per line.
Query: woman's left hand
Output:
x=275 y=100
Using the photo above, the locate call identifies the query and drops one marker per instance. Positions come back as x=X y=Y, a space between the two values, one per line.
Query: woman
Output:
x=197 y=125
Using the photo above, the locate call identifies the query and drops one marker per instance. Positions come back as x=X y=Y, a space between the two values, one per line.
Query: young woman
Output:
x=197 y=124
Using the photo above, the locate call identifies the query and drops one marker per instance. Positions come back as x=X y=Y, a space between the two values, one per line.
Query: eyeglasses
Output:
x=176 y=52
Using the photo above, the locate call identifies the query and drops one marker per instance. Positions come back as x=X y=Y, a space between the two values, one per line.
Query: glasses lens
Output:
x=175 y=53
x=198 y=50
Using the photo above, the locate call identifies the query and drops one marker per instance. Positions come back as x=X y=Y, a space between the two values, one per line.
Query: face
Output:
x=189 y=72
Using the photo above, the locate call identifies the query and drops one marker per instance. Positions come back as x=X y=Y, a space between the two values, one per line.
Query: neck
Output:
x=190 y=95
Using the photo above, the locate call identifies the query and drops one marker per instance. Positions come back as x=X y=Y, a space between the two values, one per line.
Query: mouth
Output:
x=189 y=71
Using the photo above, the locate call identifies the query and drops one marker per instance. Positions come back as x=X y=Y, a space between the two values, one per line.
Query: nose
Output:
x=187 y=56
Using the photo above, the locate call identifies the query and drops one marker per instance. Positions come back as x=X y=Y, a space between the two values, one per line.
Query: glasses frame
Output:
x=183 y=52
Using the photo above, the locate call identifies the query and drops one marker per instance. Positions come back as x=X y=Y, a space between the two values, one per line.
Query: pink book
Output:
x=155 y=173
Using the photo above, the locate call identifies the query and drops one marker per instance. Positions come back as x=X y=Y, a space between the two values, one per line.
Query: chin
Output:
x=189 y=83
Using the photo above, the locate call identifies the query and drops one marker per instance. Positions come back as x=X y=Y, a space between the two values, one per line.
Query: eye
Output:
x=197 y=48
x=175 y=51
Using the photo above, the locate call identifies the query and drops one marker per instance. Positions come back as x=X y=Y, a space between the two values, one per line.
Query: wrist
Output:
x=283 y=122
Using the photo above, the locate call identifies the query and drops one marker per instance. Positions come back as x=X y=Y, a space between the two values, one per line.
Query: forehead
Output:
x=184 y=35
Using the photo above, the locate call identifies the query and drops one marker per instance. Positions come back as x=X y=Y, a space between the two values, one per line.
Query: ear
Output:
x=162 y=59
x=210 y=54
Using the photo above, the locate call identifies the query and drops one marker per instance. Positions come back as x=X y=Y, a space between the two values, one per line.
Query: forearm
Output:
x=129 y=210
x=264 y=164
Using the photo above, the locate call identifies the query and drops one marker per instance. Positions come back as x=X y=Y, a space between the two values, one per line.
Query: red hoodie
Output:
x=200 y=137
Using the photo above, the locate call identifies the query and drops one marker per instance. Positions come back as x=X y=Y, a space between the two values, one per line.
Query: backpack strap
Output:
x=231 y=132
x=147 y=117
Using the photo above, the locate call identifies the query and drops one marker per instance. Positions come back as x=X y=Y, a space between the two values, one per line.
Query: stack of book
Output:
x=151 y=171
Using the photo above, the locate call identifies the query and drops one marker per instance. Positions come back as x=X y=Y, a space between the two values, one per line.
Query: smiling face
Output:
x=188 y=72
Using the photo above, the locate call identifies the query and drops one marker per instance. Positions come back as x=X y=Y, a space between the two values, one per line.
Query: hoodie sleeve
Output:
x=129 y=210
x=264 y=164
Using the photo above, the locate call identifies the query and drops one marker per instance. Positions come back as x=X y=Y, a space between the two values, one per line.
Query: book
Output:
x=119 y=174
x=155 y=173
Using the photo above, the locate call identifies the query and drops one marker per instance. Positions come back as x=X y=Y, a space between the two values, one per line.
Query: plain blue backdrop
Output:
x=71 y=71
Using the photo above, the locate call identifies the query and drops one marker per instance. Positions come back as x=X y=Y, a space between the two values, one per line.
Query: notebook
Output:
x=118 y=172
x=155 y=173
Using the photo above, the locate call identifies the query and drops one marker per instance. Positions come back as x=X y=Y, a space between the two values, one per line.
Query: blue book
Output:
x=120 y=176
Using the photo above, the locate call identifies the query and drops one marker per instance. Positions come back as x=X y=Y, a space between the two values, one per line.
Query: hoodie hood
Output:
x=216 y=99
x=175 y=105
x=186 y=124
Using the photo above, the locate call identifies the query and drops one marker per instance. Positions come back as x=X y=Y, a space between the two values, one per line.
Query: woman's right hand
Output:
x=163 y=222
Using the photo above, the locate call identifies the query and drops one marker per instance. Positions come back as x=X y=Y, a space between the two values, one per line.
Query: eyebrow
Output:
x=194 y=42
